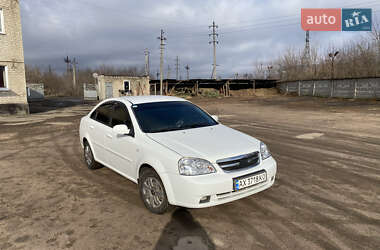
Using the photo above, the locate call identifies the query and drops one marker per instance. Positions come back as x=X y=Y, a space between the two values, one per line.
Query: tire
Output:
x=89 y=156
x=152 y=192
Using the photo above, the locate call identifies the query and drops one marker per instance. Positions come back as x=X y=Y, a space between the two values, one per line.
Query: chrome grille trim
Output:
x=235 y=158
x=231 y=165
x=239 y=162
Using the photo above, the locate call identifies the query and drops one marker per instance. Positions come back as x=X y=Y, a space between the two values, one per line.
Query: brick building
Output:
x=109 y=86
x=12 y=68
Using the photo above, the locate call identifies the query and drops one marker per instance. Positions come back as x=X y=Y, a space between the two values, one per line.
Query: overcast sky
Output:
x=116 y=32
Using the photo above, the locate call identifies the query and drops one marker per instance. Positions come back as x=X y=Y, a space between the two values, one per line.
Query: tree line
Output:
x=355 y=59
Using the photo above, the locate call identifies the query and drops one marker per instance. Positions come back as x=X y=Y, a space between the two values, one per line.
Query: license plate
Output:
x=250 y=180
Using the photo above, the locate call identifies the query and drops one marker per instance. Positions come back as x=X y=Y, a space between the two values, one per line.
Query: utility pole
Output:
x=187 y=71
x=378 y=55
x=332 y=56
x=162 y=44
x=74 y=65
x=157 y=75
x=168 y=74
x=147 y=66
x=377 y=42
x=177 y=68
x=269 y=67
x=68 y=62
x=306 y=52
x=214 y=41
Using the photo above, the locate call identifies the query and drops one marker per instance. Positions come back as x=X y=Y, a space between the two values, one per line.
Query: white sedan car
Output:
x=177 y=153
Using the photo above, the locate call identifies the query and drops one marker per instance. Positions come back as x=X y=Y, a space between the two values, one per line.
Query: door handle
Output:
x=91 y=127
x=109 y=136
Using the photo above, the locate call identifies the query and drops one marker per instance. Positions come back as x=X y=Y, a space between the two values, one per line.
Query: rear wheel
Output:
x=152 y=192
x=89 y=156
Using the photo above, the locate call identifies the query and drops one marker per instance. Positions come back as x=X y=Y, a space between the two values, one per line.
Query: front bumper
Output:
x=187 y=191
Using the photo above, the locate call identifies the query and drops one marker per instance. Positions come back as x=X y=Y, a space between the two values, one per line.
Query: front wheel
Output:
x=152 y=192
x=89 y=156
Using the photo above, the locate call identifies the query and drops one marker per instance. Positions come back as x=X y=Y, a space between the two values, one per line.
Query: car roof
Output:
x=149 y=99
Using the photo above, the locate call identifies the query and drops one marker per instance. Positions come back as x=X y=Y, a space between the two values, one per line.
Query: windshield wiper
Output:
x=165 y=130
x=196 y=125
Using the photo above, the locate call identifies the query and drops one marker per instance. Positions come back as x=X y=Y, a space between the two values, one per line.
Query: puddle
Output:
x=224 y=116
x=309 y=136
x=60 y=123
x=7 y=136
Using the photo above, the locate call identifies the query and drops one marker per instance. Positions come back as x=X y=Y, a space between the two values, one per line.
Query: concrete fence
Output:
x=344 y=88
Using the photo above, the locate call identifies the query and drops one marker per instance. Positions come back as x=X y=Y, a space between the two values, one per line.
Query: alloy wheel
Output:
x=88 y=155
x=153 y=192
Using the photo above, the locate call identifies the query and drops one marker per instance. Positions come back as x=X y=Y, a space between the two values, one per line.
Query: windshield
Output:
x=169 y=116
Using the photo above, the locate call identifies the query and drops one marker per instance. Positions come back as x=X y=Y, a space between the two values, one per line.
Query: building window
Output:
x=2 y=30
x=3 y=77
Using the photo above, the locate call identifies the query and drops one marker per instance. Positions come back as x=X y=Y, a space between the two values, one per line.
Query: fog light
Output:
x=205 y=199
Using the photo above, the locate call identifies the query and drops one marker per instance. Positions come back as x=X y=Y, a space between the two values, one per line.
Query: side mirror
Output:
x=121 y=129
x=215 y=117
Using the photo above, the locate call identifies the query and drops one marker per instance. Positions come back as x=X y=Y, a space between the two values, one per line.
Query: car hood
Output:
x=210 y=143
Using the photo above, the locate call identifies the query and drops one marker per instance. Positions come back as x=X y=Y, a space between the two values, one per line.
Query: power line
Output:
x=297 y=14
x=254 y=21
x=251 y=24
x=260 y=27
x=269 y=24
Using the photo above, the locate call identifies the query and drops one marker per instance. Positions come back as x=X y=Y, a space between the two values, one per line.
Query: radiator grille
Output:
x=239 y=162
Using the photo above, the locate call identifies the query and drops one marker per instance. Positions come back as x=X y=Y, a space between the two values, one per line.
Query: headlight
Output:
x=264 y=150
x=195 y=166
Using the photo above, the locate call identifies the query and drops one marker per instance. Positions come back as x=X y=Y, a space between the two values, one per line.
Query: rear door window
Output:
x=104 y=113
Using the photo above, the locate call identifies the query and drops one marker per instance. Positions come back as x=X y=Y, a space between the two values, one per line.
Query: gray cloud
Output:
x=116 y=32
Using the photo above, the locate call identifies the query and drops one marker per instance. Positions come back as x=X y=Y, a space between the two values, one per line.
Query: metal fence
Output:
x=343 y=88
x=89 y=91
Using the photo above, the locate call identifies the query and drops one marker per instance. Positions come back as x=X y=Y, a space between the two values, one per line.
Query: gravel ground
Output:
x=326 y=196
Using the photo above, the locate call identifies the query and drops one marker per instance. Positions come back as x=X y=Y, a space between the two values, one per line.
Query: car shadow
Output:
x=184 y=232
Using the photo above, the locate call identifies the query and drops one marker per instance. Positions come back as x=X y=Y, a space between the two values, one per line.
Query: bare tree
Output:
x=356 y=59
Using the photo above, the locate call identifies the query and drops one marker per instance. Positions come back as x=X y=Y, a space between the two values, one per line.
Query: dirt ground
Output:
x=326 y=196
